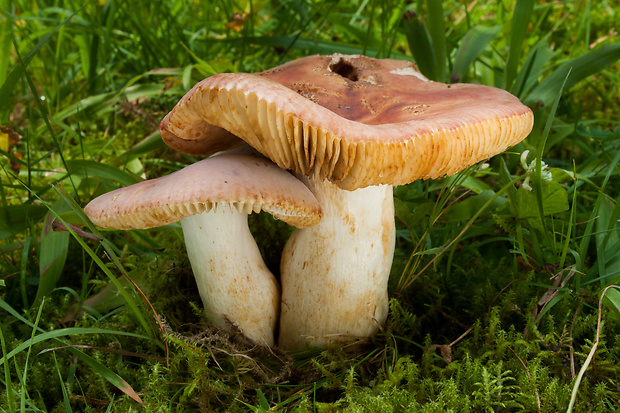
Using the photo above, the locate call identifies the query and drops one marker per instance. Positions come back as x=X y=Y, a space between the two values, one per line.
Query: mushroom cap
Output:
x=242 y=183
x=353 y=120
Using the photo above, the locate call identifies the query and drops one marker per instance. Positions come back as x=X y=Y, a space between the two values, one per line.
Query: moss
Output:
x=493 y=370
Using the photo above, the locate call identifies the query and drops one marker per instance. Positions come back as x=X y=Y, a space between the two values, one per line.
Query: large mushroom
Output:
x=355 y=126
x=212 y=199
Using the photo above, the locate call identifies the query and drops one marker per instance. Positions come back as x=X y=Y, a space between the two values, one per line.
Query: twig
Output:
x=583 y=369
x=461 y=336
x=572 y=349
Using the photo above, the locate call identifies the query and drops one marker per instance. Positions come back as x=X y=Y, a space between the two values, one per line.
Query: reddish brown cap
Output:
x=239 y=182
x=354 y=120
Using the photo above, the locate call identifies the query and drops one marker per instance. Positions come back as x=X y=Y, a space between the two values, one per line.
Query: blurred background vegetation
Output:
x=505 y=278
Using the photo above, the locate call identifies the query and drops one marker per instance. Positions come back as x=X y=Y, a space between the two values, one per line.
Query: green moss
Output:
x=493 y=369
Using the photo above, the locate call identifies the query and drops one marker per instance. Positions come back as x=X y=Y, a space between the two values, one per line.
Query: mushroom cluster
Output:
x=349 y=128
x=212 y=199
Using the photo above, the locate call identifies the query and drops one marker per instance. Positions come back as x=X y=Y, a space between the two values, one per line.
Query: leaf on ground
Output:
x=554 y=198
x=464 y=210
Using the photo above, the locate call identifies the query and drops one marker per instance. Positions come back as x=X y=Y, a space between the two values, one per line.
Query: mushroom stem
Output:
x=233 y=281
x=334 y=275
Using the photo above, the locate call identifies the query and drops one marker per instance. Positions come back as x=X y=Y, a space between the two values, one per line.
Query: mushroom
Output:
x=212 y=199
x=355 y=126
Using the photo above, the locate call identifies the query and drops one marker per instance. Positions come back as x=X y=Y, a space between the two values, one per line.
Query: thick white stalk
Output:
x=334 y=275
x=234 y=283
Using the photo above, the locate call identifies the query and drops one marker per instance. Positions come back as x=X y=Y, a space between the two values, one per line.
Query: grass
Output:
x=504 y=285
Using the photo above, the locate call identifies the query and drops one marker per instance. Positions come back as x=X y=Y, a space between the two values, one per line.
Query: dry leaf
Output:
x=445 y=350
x=237 y=21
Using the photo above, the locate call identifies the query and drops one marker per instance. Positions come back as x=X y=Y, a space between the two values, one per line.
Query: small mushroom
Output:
x=355 y=126
x=212 y=199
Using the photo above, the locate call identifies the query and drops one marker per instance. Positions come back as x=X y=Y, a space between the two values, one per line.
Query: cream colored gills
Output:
x=234 y=283
x=334 y=275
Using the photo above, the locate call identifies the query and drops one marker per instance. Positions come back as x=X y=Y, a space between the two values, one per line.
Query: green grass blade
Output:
x=367 y=36
x=24 y=377
x=262 y=400
x=52 y=257
x=23 y=271
x=570 y=227
x=116 y=380
x=149 y=144
x=65 y=394
x=551 y=304
x=202 y=65
x=532 y=67
x=537 y=177
x=607 y=235
x=93 y=54
x=6 y=39
x=585 y=25
x=82 y=46
x=63 y=332
x=101 y=171
x=475 y=41
x=572 y=72
x=437 y=32
x=7 y=375
x=519 y=26
x=419 y=44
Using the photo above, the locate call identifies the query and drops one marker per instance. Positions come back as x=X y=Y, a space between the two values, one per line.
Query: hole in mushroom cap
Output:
x=344 y=69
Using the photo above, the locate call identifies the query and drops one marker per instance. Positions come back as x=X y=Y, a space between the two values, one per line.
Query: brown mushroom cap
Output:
x=240 y=182
x=354 y=120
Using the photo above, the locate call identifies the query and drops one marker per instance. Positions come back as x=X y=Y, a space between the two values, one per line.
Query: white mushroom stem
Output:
x=234 y=283
x=334 y=275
